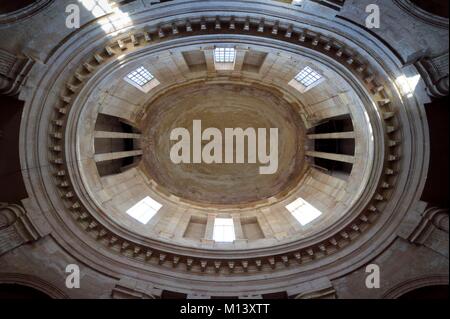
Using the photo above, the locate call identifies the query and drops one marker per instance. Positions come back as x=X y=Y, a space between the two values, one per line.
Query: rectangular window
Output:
x=303 y=212
x=144 y=210
x=142 y=79
x=224 y=55
x=141 y=76
x=223 y=230
x=307 y=77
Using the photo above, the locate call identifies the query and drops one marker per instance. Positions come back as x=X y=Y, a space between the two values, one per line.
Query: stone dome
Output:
x=350 y=154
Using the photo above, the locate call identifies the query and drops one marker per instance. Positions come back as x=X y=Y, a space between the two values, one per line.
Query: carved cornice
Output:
x=118 y=253
x=355 y=64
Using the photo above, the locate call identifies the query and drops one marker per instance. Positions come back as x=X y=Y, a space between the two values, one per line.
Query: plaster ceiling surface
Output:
x=222 y=106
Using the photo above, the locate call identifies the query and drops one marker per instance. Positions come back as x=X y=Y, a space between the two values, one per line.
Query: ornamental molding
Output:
x=15 y=227
x=433 y=218
x=13 y=72
x=415 y=283
x=33 y=282
x=111 y=51
x=367 y=222
x=131 y=289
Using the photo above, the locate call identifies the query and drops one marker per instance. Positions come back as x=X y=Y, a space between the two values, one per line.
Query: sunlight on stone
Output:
x=144 y=210
x=407 y=85
x=303 y=211
x=224 y=230
x=115 y=19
